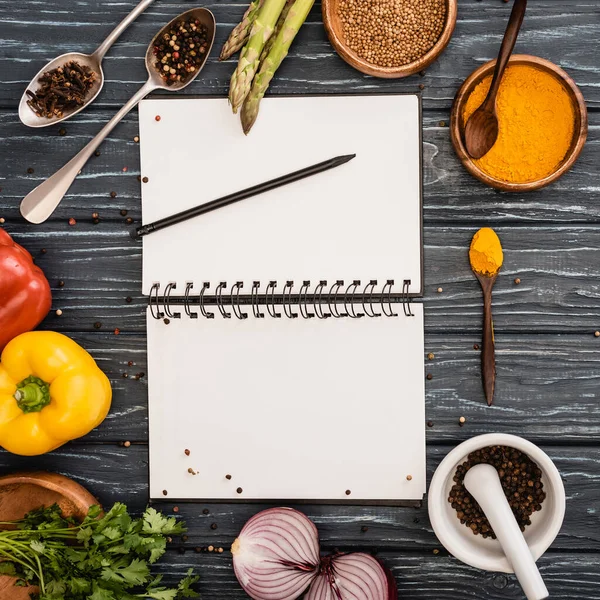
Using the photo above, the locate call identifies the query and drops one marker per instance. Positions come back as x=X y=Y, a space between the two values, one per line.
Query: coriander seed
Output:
x=391 y=33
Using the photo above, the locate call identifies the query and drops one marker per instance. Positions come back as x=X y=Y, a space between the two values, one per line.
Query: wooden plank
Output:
x=558 y=267
x=113 y=473
x=451 y=194
x=31 y=34
x=419 y=577
x=546 y=390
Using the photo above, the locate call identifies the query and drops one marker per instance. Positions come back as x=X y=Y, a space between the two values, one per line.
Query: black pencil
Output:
x=242 y=195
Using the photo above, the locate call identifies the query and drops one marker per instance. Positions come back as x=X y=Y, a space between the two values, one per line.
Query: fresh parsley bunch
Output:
x=105 y=557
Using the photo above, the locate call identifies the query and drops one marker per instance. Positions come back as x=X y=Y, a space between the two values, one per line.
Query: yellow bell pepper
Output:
x=51 y=391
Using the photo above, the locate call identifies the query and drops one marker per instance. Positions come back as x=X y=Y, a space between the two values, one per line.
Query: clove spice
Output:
x=62 y=90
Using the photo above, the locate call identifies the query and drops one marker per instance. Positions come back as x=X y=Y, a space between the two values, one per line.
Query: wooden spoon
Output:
x=488 y=353
x=481 y=131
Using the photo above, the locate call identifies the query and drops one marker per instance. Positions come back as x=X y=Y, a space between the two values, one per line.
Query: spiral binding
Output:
x=324 y=302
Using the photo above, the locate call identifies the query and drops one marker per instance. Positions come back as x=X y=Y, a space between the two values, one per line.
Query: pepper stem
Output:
x=32 y=394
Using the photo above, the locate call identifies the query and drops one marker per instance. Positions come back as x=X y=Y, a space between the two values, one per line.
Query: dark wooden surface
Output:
x=547 y=356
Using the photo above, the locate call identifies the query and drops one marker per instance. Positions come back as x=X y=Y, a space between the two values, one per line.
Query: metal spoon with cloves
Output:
x=93 y=62
x=39 y=204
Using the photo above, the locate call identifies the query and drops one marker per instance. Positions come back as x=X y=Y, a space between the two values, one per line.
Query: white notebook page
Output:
x=361 y=221
x=290 y=408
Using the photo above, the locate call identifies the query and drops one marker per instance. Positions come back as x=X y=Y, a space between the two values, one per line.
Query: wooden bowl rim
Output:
x=368 y=68
x=69 y=489
x=579 y=132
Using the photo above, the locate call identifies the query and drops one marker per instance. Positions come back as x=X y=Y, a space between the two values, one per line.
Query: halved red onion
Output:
x=356 y=576
x=276 y=555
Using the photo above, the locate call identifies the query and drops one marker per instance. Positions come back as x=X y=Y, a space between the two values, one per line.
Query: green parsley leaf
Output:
x=105 y=557
x=154 y=522
x=129 y=575
x=84 y=535
x=79 y=585
x=7 y=568
x=38 y=546
x=94 y=512
x=184 y=588
x=101 y=594
x=155 y=545
x=162 y=594
x=56 y=589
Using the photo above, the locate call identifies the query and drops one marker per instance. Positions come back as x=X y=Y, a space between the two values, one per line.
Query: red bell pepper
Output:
x=25 y=296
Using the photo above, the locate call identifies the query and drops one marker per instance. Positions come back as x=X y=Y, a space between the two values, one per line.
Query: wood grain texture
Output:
x=548 y=360
x=558 y=268
x=451 y=194
x=563 y=31
x=546 y=387
x=114 y=473
x=419 y=577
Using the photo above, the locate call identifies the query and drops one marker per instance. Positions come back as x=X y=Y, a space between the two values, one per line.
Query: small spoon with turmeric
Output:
x=486 y=259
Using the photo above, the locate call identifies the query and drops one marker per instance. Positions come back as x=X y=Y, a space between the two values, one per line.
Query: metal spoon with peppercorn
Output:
x=70 y=82
x=174 y=59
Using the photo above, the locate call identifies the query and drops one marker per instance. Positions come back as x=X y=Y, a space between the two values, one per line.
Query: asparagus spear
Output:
x=241 y=80
x=239 y=36
x=278 y=26
x=294 y=20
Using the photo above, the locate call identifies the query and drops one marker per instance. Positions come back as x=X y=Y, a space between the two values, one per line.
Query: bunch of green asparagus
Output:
x=264 y=36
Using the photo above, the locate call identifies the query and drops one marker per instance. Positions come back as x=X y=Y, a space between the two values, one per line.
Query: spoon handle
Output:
x=120 y=28
x=508 y=44
x=488 y=352
x=40 y=203
x=483 y=483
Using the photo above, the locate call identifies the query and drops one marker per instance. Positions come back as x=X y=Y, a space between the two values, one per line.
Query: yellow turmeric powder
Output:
x=485 y=253
x=536 y=120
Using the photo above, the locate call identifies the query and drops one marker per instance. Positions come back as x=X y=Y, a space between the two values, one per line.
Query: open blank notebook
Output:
x=283 y=352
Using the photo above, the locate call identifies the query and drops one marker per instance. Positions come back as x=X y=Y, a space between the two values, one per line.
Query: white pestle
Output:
x=483 y=483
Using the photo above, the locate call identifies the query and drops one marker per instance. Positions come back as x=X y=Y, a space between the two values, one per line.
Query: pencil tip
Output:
x=345 y=158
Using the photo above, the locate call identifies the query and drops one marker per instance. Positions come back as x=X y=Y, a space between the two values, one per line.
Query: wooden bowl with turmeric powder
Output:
x=542 y=121
x=389 y=40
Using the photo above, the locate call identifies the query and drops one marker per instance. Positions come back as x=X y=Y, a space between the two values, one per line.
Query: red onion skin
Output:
x=392 y=585
x=276 y=555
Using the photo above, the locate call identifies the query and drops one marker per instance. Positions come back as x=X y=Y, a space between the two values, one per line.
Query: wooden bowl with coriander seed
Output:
x=404 y=49
x=522 y=165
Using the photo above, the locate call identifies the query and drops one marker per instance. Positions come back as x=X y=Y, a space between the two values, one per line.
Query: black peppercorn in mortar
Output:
x=521 y=481
x=181 y=51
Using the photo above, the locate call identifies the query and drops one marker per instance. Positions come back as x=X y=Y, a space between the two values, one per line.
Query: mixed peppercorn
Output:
x=181 y=51
x=521 y=481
